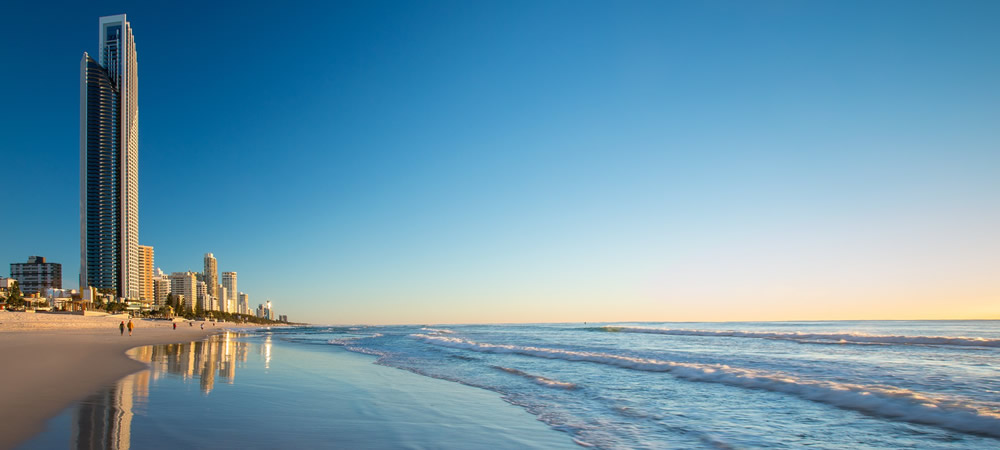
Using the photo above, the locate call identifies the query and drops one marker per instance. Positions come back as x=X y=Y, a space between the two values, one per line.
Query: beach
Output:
x=50 y=361
x=85 y=383
x=878 y=384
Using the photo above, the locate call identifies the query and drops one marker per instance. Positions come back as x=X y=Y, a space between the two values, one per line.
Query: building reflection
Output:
x=104 y=420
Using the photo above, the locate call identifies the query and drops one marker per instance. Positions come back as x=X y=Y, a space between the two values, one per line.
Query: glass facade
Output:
x=109 y=154
x=102 y=214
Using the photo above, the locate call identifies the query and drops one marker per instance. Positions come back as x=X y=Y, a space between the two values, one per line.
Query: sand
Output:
x=50 y=361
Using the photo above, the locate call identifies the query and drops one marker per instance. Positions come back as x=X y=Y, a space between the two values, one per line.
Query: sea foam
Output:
x=817 y=338
x=547 y=382
x=877 y=400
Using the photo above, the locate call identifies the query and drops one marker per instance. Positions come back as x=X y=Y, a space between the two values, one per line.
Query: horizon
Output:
x=562 y=162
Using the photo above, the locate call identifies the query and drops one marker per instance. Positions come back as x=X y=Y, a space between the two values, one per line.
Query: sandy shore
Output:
x=50 y=361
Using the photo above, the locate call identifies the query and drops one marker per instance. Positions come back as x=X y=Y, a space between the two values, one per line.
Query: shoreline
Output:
x=51 y=362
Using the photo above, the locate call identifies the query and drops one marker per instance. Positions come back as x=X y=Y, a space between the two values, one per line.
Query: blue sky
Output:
x=538 y=161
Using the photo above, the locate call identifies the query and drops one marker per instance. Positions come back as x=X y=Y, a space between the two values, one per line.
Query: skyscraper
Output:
x=229 y=281
x=109 y=163
x=211 y=275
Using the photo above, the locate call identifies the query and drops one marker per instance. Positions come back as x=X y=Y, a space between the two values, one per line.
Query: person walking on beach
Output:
x=121 y=328
x=175 y=325
x=130 y=326
x=203 y=325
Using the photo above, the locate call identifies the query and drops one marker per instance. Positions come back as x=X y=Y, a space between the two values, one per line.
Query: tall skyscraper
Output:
x=211 y=275
x=229 y=281
x=146 y=263
x=109 y=163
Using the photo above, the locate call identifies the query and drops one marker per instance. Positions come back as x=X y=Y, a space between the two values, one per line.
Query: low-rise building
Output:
x=36 y=275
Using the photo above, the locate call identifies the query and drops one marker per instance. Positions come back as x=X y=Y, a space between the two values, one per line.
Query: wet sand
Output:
x=50 y=361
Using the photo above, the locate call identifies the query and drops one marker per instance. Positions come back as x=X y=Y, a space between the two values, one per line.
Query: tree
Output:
x=14 y=299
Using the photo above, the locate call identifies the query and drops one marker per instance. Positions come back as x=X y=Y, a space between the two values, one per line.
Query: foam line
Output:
x=810 y=338
x=547 y=382
x=878 y=400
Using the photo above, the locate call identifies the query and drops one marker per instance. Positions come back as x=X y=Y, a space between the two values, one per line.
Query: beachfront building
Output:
x=264 y=311
x=283 y=318
x=229 y=282
x=146 y=288
x=244 y=307
x=36 y=275
x=205 y=300
x=6 y=284
x=109 y=163
x=161 y=288
x=211 y=275
x=186 y=284
x=223 y=303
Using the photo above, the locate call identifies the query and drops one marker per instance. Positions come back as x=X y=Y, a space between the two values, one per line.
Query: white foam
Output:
x=437 y=330
x=548 y=382
x=879 y=400
x=351 y=340
x=817 y=338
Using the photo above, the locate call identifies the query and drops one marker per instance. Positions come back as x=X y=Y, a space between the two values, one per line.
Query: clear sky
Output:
x=537 y=161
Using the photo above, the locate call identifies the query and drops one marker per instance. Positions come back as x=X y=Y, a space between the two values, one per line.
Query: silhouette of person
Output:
x=130 y=326
x=121 y=328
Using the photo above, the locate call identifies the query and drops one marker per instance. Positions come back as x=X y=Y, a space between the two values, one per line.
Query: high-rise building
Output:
x=229 y=281
x=244 y=307
x=185 y=283
x=36 y=275
x=146 y=287
x=204 y=300
x=161 y=288
x=223 y=303
x=109 y=163
x=211 y=275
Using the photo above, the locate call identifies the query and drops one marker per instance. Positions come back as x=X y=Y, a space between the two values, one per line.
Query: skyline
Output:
x=562 y=162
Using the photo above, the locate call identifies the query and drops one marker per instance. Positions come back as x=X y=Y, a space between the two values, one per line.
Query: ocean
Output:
x=871 y=384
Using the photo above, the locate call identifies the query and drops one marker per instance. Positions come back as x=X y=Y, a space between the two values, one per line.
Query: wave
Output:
x=437 y=330
x=816 y=338
x=349 y=340
x=878 y=400
x=547 y=382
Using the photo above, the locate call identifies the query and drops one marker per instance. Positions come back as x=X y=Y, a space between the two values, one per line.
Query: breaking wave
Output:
x=437 y=330
x=548 y=382
x=817 y=338
x=878 y=400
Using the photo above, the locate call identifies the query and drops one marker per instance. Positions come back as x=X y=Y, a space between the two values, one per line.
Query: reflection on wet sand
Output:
x=104 y=420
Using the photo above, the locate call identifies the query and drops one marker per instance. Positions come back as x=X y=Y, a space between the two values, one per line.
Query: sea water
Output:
x=924 y=384
x=662 y=385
